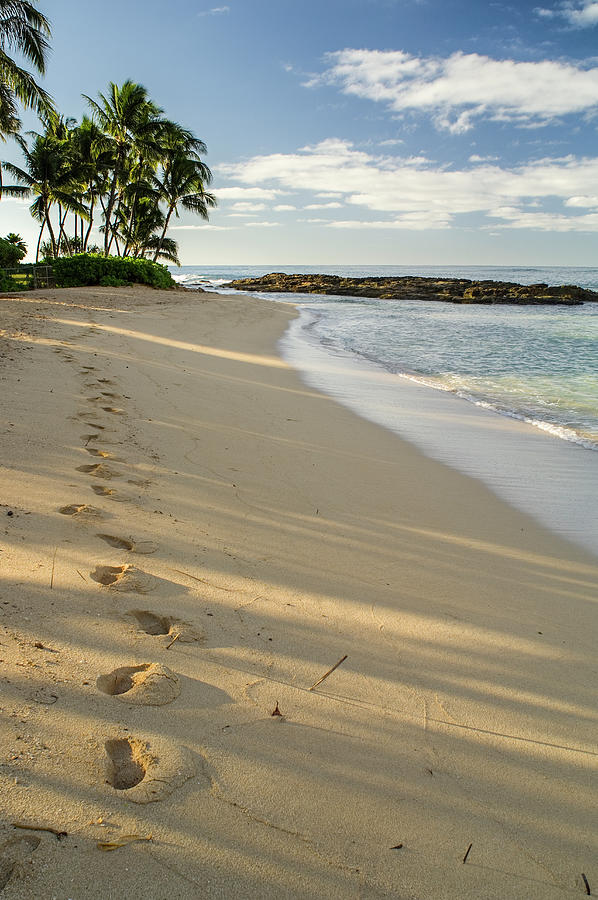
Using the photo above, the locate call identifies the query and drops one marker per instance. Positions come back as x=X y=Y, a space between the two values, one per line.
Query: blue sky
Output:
x=360 y=131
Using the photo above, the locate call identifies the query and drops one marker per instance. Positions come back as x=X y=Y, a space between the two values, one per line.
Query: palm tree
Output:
x=183 y=184
x=25 y=30
x=93 y=161
x=17 y=240
x=127 y=117
x=48 y=176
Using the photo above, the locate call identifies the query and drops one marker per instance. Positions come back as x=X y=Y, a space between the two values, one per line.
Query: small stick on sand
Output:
x=53 y=564
x=329 y=672
x=79 y=573
x=587 y=886
x=202 y=581
x=467 y=853
x=189 y=575
x=175 y=638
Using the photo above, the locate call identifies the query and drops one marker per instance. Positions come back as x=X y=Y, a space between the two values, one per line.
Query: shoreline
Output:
x=527 y=464
x=288 y=532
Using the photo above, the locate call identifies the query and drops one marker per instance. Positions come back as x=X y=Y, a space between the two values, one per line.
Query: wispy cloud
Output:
x=457 y=90
x=543 y=194
x=578 y=13
x=200 y=227
x=247 y=193
x=332 y=205
x=215 y=11
x=247 y=207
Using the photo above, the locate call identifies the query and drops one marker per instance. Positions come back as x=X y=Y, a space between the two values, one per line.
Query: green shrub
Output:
x=6 y=284
x=10 y=254
x=111 y=281
x=15 y=282
x=113 y=271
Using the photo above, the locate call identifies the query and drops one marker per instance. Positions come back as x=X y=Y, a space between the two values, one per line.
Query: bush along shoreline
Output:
x=85 y=269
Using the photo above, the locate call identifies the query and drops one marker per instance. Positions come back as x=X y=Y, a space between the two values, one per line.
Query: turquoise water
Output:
x=529 y=428
x=539 y=364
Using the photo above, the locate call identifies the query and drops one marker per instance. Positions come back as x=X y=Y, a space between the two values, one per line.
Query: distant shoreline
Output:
x=447 y=290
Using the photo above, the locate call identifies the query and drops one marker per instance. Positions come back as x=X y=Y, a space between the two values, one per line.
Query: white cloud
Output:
x=332 y=205
x=246 y=193
x=474 y=158
x=462 y=87
x=584 y=202
x=546 y=221
x=262 y=224
x=426 y=195
x=215 y=11
x=245 y=206
x=200 y=227
x=579 y=13
x=410 y=221
x=283 y=207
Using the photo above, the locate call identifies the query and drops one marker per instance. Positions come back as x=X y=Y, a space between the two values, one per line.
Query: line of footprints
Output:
x=146 y=772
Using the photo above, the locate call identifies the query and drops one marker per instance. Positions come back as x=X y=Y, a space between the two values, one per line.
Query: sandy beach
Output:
x=191 y=538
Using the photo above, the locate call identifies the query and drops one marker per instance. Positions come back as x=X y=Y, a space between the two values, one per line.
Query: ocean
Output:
x=506 y=394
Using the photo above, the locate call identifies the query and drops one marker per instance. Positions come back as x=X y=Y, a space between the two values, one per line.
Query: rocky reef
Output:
x=447 y=290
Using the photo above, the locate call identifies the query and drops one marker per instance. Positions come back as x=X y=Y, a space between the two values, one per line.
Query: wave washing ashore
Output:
x=536 y=367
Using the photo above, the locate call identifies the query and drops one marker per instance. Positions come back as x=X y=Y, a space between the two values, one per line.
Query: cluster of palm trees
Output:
x=125 y=168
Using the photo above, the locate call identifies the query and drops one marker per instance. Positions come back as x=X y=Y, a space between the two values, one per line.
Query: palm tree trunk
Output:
x=112 y=199
x=85 y=240
x=113 y=227
x=133 y=207
x=163 y=235
x=62 y=238
x=39 y=242
x=51 y=230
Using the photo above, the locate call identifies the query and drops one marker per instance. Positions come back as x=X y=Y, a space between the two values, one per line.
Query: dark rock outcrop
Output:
x=448 y=290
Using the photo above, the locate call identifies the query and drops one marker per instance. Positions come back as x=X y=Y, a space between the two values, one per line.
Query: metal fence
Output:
x=30 y=277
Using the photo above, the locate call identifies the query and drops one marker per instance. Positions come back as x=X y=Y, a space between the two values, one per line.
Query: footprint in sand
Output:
x=110 y=494
x=95 y=425
x=105 y=381
x=143 y=547
x=147 y=772
x=154 y=624
x=114 y=410
x=111 y=396
x=149 y=684
x=150 y=622
x=88 y=437
x=13 y=853
x=81 y=511
x=124 y=578
x=99 y=471
x=87 y=369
